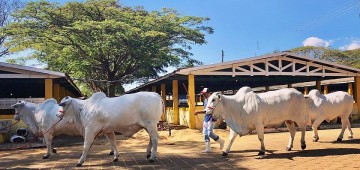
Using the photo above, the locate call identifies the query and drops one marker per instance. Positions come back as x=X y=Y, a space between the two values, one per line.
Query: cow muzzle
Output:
x=60 y=113
x=16 y=117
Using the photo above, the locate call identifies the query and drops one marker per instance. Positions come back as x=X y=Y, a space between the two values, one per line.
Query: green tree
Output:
x=7 y=7
x=105 y=44
x=349 y=57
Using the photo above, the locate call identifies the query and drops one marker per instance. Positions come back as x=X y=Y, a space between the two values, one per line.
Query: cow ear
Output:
x=219 y=96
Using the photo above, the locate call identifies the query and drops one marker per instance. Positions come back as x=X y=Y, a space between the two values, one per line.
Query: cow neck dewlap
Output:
x=30 y=117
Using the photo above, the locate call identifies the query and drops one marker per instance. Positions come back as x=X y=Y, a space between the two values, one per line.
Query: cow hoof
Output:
x=54 y=150
x=261 y=153
x=303 y=147
x=339 y=139
x=78 y=165
x=288 y=148
x=350 y=137
x=151 y=160
x=111 y=153
x=46 y=156
x=224 y=154
x=115 y=160
x=315 y=139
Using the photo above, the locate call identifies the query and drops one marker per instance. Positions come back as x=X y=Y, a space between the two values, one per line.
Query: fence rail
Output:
x=5 y=103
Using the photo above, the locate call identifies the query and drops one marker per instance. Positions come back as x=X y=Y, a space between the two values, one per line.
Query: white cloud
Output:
x=317 y=42
x=354 y=45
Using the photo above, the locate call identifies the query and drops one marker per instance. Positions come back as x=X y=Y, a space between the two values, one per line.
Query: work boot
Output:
x=221 y=142
x=207 y=147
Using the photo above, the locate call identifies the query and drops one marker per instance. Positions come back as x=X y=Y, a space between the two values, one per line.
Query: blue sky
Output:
x=247 y=28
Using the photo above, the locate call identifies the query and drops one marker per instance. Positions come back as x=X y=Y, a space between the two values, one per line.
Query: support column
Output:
x=175 y=97
x=56 y=92
x=350 y=89
x=306 y=90
x=61 y=92
x=163 y=96
x=48 y=88
x=191 y=101
x=153 y=89
x=357 y=96
x=326 y=91
x=289 y=85
x=318 y=86
x=267 y=88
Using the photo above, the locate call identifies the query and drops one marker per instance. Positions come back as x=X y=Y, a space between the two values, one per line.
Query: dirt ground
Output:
x=182 y=150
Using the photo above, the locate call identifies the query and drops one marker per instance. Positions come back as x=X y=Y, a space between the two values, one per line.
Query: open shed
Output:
x=261 y=73
x=30 y=84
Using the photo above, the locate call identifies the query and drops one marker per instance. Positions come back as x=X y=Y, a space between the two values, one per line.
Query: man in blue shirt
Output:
x=208 y=124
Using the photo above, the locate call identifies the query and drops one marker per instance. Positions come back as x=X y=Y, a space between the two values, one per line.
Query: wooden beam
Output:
x=318 y=86
x=56 y=92
x=350 y=89
x=191 y=101
x=175 y=96
x=48 y=88
x=163 y=96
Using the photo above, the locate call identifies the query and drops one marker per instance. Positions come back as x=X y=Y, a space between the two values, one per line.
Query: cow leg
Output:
x=232 y=137
x=112 y=140
x=343 y=127
x=148 y=149
x=48 y=141
x=260 y=130
x=303 y=130
x=315 y=126
x=88 y=141
x=154 y=137
x=292 y=129
x=349 y=127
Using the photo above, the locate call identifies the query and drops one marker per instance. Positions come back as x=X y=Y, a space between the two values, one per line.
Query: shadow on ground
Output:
x=313 y=153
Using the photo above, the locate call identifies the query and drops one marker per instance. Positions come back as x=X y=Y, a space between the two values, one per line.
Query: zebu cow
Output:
x=328 y=107
x=40 y=118
x=246 y=111
x=126 y=114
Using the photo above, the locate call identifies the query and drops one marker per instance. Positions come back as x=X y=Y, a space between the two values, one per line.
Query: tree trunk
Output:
x=111 y=90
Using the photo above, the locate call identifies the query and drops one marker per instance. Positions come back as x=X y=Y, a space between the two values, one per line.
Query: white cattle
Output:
x=246 y=111
x=328 y=107
x=41 y=120
x=126 y=114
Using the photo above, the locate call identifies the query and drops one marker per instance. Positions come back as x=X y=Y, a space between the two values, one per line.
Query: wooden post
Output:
x=61 y=92
x=350 y=89
x=306 y=90
x=289 y=85
x=48 y=88
x=357 y=95
x=153 y=89
x=318 y=86
x=191 y=101
x=56 y=92
x=163 y=96
x=175 y=96
x=267 y=88
x=326 y=91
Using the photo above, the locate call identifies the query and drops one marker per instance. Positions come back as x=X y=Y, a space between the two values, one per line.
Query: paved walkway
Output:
x=183 y=151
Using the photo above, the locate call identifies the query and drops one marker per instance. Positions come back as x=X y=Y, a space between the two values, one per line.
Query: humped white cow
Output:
x=126 y=114
x=328 y=107
x=41 y=120
x=246 y=111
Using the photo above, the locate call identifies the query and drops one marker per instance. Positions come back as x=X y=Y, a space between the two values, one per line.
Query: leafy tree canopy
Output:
x=349 y=57
x=105 y=44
